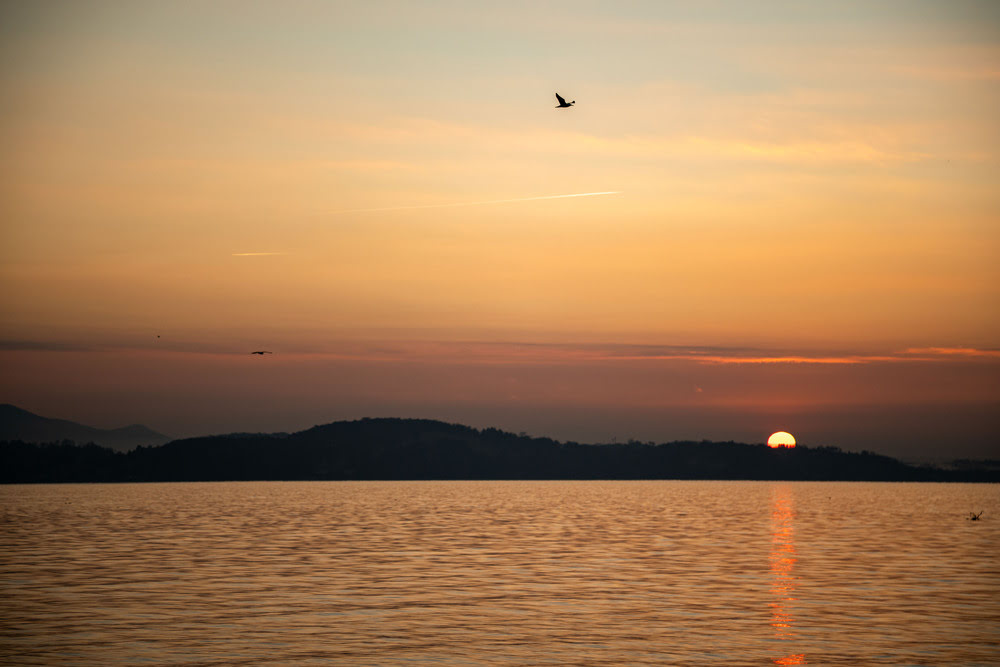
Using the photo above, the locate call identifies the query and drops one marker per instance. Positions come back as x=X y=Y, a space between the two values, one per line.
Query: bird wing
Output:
x=561 y=100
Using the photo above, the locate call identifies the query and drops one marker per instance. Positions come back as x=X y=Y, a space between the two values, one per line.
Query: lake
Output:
x=467 y=573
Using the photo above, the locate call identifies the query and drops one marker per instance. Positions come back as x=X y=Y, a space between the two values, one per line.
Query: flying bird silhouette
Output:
x=261 y=352
x=563 y=104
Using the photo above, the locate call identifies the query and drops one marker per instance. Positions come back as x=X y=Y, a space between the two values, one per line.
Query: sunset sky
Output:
x=799 y=225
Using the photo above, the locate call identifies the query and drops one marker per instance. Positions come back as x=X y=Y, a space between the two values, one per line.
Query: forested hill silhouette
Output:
x=397 y=449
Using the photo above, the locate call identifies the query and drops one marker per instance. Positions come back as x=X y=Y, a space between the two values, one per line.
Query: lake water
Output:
x=466 y=573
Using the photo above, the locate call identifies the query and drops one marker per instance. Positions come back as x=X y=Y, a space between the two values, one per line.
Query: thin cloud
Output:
x=800 y=145
x=954 y=352
x=813 y=152
x=42 y=346
x=477 y=203
x=501 y=353
x=950 y=73
x=545 y=354
x=910 y=355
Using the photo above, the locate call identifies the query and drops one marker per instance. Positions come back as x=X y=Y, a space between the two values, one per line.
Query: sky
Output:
x=791 y=220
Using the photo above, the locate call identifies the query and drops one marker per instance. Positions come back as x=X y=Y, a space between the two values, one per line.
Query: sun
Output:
x=781 y=439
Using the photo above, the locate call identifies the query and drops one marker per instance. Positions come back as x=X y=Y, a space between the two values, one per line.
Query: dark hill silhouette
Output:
x=396 y=449
x=19 y=424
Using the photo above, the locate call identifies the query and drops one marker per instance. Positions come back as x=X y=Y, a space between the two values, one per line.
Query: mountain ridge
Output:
x=19 y=424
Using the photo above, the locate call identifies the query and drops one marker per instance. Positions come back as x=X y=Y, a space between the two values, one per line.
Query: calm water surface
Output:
x=377 y=573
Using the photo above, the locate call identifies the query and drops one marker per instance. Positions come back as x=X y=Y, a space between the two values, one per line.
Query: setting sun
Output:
x=781 y=439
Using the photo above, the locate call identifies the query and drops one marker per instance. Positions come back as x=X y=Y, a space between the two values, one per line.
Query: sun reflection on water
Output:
x=783 y=579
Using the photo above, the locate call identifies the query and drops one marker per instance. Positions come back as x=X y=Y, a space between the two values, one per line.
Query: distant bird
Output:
x=974 y=517
x=261 y=352
x=563 y=104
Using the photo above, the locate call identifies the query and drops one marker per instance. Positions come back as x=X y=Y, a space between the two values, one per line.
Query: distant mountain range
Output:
x=19 y=424
x=413 y=449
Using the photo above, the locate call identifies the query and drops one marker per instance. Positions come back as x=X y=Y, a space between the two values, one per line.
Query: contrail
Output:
x=256 y=254
x=477 y=203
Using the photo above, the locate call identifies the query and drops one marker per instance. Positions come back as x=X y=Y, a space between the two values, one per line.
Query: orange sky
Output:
x=793 y=183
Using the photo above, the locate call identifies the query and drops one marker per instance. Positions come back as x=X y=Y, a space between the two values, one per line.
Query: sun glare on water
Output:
x=781 y=439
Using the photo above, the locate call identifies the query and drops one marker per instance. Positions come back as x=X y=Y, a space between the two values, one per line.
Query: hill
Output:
x=19 y=424
x=397 y=449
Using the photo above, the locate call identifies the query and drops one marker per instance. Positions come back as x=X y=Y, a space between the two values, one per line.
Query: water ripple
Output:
x=466 y=573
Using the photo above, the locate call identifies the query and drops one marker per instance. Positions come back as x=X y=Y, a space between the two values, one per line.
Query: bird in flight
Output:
x=563 y=104
x=261 y=352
